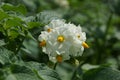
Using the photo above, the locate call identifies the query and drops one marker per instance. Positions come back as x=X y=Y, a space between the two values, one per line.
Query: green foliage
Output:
x=19 y=8
x=103 y=73
x=21 y=22
x=6 y=56
x=44 y=17
x=43 y=71
x=33 y=24
x=2 y=42
x=3 y=15
x=21 y=70
x=21 y=73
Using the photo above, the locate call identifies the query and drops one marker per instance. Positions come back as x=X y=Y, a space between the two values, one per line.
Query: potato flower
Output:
x=61 y=40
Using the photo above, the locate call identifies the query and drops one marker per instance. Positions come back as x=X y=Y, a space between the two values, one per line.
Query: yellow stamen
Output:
x=78 y=36
x=43 y=43
x=59 y=58
x=60 y=39
x=85 y=45
x=48 y=30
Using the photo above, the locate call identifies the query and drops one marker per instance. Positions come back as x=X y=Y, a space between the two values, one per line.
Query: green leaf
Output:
x=13 y=34
x=14 y=27
x=103 y=73
x=89 y=66
x=30 y=47
x=19 y=8
x=6 y=56
x=2 y=42
x=66 y=71
x=47 y=16
x=21 y=73
x=3 y=15
x=44 y=17
x=42 y=71
x=33 y=24
x=12 y=23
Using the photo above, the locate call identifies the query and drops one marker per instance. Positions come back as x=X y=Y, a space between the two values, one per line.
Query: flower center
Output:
x=43 y=43
x=85 y=45
x=78 y=36
x=60 y=39
x=48 y=30
x=59 y=58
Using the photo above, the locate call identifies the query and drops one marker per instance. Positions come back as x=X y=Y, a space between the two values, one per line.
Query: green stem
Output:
x=108 y=26
x=76 y=72
x=20 y=45
x=103 y=46
x=55 y=65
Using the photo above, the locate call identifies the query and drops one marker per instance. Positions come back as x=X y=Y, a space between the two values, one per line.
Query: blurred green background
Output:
x=100 y=19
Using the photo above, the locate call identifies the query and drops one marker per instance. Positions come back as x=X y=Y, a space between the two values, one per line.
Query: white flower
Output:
x=43 y=36
x=60 y=40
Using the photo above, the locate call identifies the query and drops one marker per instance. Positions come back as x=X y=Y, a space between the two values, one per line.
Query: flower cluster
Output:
x=61 y=40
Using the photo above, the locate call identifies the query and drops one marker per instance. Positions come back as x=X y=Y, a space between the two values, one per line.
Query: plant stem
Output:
x=20 y=45
x=108 y=26
x=74 y=76
x=55 y=65
x=103 y=46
